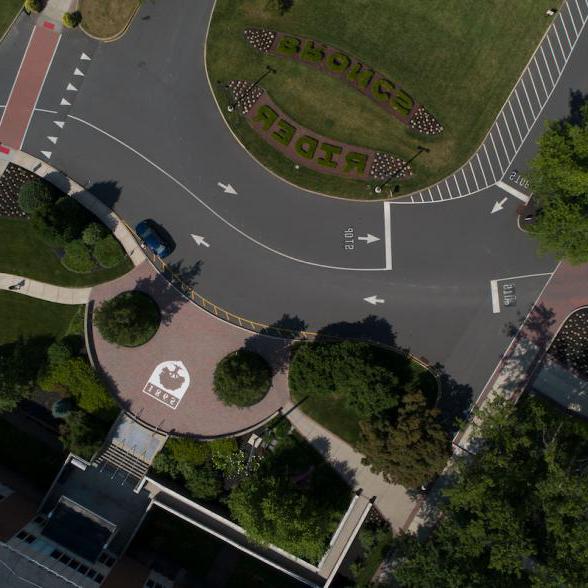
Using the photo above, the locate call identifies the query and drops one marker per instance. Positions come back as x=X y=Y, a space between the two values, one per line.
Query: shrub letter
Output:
x=382 y=90
x=289 y=45
x=285 y=134
x=355 y=160
x=306 y=146
x=362 y=77
x=338 y=62
x=330 y=150
x=402 y=102
x=312 y=53
x=266 y=115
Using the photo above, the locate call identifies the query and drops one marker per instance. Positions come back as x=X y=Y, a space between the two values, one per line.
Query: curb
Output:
x=118 y=35
x=86 y=199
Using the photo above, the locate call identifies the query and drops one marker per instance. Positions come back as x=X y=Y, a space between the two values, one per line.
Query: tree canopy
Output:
x=18 y=371
x=559 y=178
x=517 y=512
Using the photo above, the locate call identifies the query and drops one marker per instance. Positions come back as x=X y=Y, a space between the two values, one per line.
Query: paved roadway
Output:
x=143 y=132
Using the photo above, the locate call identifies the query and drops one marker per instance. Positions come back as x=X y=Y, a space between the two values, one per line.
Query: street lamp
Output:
x=232 y=106
x=378 y=189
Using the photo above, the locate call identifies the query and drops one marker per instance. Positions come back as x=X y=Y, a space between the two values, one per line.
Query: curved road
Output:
x=143 y=132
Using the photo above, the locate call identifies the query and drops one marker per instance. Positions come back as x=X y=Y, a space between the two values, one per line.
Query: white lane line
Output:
x=439 y=190
x=474 y=175
x=524 y=276
x=522 y=111
x=421 y=195
x=565 y=56
x=482 y=169
x=490 y=163
x=513 y=191
x=448 y=191
x=466 y=180
x=563 y=24
x=508 y=129
x=36 y=109
x=572 y=17
x=388 y=235
x=516 y=122
x=540 y=76
x=539 y=101
x=494 y=296
x=430 y=195
x=497 y=125
x=216 y=214
x=496 y=151
x=456 y=184
x=530 y=103
x=582 y=17
x=547 y=66
x=553 y=54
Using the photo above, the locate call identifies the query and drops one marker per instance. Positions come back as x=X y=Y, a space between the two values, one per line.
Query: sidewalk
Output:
x=392 y=500
x=43 y=291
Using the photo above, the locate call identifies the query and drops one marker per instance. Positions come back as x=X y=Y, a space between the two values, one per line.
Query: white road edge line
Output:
x=513 y=191
x=523 y=276
x=388 y=235
x=495 y=297
x=216 y=214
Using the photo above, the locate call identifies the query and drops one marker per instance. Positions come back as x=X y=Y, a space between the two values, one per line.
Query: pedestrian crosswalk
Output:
x=519 y=113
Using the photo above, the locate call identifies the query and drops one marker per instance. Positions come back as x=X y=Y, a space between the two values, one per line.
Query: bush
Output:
x=33 y=194
x=130 y=319
x=108 y=252
x=72 y=19
x=58 y=352
x=204 y=482
x=61 y=222
x=82 y=434
x=93 y=233
x=33 y=5
x=242 y=378
x=62 y=408
x=77 y=258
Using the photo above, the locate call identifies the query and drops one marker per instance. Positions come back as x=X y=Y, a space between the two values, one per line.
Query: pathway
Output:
x=43 y=291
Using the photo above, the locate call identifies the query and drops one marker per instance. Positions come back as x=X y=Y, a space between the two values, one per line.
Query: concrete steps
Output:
x=116 y=457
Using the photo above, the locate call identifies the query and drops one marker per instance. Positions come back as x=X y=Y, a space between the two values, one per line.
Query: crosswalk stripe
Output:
x=553 y=53
x=474 y=174
x=515 y=121
x=547 y=66
x=522 y=110
x=482 y=169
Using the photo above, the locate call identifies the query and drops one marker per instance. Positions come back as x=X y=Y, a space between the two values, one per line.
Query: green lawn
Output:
x=331 y=411
x=21 y=316
x=107 y=18
x=459 y=59
x=8 y=10
x=25 y=254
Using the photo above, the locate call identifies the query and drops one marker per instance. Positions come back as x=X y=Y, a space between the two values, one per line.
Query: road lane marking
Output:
x=563 y=24
x=553 y=54
x=513 y=191
x=388 y=235
x=547 y=66
x=508 y=128
x=515 y=120
x=523 y=113
x=494 y=296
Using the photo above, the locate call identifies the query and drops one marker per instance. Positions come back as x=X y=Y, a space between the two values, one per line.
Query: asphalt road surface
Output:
x=143 y=132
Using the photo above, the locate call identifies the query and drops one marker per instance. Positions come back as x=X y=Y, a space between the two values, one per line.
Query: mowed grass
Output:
x=8 y=10
x=459 y=59
x=25 y=254
x=21 y=316
x=107 y=18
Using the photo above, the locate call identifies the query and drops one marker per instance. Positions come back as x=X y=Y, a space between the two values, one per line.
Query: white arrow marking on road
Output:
x=499 y=205
x=53 y=140
x=227 y=188
x=64 y=102
x=369 y=238
x=85 y=57
x=200 y=240
x=374 y=300
x=59 y=123
x=71 y=88
x=47 y=154
x=78 y=72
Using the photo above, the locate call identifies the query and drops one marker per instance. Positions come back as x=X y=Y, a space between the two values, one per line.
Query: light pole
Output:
x=378 y=189
x=232 y=106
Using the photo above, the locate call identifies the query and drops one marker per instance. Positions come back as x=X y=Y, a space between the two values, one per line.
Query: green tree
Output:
x=108 y=252
x=129 y=319
x=82 y=434
x=559 y=178
x=61 y=222
x=409 y=450
x=93 y=233
x=242 y=378
x=18 y=371
x=33 y=194
x=72 y=19
x=77 y=257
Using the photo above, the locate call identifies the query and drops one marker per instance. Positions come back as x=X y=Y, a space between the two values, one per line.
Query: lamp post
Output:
x=269 y=70
x=378 y=189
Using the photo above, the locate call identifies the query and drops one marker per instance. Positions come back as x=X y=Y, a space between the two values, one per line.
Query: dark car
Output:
x=153 y=238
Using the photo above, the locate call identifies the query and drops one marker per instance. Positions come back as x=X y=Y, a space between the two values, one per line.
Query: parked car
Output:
x=153 y=237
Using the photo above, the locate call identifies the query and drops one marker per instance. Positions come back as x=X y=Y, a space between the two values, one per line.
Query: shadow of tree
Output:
x=577 y=101
x=107 y=192
x=372 y=329
x=454 y=401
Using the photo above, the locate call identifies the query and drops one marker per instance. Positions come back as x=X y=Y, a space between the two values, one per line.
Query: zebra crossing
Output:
x=518 y=114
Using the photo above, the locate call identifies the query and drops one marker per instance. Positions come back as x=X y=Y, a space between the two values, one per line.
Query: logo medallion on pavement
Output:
x=168 y=383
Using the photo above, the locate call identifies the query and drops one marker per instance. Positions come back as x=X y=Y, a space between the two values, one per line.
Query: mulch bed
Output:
x=10 y=183
x=570 y=347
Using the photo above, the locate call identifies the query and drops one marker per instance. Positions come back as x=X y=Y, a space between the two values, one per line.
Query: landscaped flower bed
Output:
x=570 y=347
x=305 y=147
x=330 y=60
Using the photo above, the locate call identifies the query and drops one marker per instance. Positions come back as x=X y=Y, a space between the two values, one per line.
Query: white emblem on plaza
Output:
x=168 y=383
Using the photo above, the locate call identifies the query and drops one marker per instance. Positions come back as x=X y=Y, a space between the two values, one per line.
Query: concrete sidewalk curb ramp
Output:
x=86 y=199
x=44 y=291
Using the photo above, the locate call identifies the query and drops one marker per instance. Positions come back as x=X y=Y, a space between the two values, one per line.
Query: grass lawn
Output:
x=8 y=10
x=25 y=254
x=459 y=59
x=107 y=18
x=332 y=412
x=21 y=316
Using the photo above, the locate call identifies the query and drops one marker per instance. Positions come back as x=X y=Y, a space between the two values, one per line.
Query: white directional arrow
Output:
x=499 y=205
x=78 y=72
x=64 y=102
x=227 y=188
x=200 y=240
x=59 y=123
x=71 y=88
x=47 y=154
x=369 y=238
x=85 y=57
x=374 y=300
x=53 y=140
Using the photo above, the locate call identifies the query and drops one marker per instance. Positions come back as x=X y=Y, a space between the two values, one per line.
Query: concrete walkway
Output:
x=392 y=500
x=43 y=291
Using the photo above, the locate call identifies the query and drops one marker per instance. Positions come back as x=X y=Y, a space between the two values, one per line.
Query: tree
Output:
x=129 y=319
x=77 y=257
x=33 y=194
x=93 y=233
x=81 y=434
x=108 y=252
x=18 y=370
x=72 y=19
x=358 y=372
x=33 y=5
x=61 y=222
x=410 y=450
x=559 y=178
x=242 y=378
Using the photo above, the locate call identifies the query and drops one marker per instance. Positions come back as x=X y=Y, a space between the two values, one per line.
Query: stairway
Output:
x=118 y=458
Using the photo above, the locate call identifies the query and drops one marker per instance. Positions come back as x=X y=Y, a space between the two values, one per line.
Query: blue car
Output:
x=150 y=234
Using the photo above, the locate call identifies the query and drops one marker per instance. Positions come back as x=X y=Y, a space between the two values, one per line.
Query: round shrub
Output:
x=72 y=19
x=108 y=252
x=129 y=319
x=33 y=5
x=242 y=378
x=93 y=233
x=33 y=194
x=77 y=258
